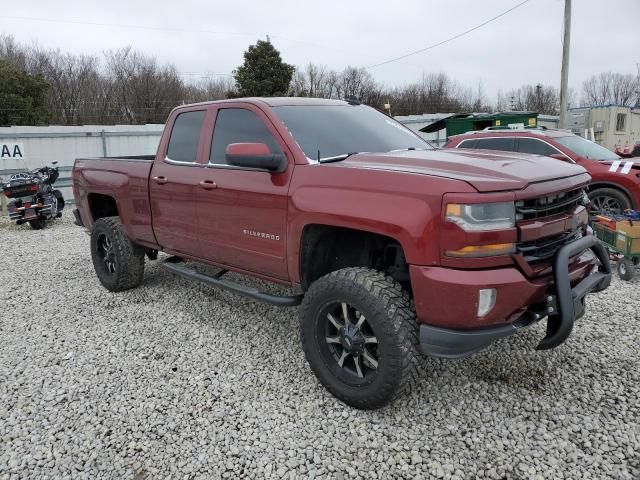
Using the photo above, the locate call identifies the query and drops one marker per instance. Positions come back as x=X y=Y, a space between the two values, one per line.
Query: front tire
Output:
x=360 y=336
x=119 y=264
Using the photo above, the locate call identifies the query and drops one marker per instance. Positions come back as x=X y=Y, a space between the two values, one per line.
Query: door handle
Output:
x=208 y=184
x=160 y=180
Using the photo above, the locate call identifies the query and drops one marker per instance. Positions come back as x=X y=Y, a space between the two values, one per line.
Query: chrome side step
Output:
x=175 y=265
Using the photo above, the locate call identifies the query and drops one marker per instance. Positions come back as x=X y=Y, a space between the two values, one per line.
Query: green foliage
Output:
x=23 y=97
x=263 y=73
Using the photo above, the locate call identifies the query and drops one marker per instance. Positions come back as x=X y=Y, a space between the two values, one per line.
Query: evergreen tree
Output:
x=23 y=97
x=263 y=73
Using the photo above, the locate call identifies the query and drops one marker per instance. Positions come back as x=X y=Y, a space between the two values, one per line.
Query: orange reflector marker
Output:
x=483 y=250
x=453 y=210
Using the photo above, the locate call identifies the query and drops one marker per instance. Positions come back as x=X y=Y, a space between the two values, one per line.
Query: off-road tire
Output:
x=38 y=224
x=392 y=317
x=128 y=257
x=610 y=193
x=626 y=269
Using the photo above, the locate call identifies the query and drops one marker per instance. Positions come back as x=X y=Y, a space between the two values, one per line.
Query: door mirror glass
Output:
x=255 y=155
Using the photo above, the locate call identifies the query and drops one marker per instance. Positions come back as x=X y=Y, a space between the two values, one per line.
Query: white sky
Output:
x=522 y=47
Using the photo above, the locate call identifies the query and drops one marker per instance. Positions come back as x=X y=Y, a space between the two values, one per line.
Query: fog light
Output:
x=486 y=300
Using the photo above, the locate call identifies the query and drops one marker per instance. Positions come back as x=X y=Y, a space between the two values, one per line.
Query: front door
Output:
x=174 y=184
x=243 y=212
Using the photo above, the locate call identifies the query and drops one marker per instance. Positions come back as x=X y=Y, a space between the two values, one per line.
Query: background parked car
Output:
x=615 y=184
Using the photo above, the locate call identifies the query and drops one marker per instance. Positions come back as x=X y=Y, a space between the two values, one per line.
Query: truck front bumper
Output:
x=447 y=300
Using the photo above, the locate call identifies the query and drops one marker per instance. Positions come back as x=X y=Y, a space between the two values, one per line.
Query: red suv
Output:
x=615 y=182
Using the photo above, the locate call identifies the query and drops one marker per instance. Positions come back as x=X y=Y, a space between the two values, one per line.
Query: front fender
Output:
x=409 y=220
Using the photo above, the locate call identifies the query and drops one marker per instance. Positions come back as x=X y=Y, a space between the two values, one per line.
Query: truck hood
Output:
x=486 y=171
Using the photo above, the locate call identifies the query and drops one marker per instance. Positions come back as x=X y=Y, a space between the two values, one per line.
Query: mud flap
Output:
x=570 y=301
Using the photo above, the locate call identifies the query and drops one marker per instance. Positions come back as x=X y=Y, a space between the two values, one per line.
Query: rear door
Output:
x=174 y=184
x=243 y=212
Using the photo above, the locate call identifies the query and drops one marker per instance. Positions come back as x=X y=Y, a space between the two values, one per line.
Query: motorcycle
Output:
x=33 y=198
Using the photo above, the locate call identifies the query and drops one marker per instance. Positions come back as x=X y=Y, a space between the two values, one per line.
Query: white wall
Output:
x=40 y=146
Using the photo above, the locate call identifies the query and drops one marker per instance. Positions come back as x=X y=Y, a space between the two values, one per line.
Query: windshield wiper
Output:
x=336 y=158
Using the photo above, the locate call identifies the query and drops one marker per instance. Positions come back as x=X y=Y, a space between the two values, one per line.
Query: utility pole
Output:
x=564 y=79
x=539 y=97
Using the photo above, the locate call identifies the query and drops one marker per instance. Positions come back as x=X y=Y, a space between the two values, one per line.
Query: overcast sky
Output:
x=521 y=47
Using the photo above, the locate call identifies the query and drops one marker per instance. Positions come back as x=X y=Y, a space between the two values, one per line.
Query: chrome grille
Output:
x=558 y=203
x=544 y=249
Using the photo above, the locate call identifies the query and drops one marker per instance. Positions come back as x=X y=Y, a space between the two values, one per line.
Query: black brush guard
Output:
x=570 y=301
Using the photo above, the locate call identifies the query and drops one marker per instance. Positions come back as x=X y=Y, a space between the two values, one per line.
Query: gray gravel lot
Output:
x=177 y=380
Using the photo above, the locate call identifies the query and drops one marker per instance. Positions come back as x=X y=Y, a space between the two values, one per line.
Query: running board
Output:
x=175 y=265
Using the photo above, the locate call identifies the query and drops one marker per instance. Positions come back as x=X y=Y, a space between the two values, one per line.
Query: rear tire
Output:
x=626 y=269
x=119 y=264
x=608 y=200
x=38 y=224
x=367 y=362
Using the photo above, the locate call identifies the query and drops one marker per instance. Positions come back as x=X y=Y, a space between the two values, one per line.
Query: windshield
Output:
x=334 y=130
x=586 y=149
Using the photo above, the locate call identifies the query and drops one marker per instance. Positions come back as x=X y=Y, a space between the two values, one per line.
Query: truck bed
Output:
x=124 y=178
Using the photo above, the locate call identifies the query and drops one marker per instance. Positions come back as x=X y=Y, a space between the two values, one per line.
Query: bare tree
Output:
x=211 y=88
x=14 y=52
x=145 y=91
x=70 y=77
x=537 y=98
x=611 y=88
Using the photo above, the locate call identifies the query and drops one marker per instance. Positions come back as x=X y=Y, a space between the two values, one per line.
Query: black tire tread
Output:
x=130 y=256
x=391 y=300
x=630 y=269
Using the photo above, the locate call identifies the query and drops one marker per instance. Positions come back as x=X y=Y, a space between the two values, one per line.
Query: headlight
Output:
x=482 y=216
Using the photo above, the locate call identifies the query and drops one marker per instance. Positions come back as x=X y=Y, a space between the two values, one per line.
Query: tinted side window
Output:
x=507 y=144
x=532 y=145
x=185 y=135
x=238 y=125
x=468 y=144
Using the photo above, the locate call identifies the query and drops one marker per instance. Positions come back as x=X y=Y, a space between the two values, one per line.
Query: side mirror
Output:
x=560 y=156
x=255 y=155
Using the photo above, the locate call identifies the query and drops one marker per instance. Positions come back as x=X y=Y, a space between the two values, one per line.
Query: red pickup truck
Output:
x=391 y=249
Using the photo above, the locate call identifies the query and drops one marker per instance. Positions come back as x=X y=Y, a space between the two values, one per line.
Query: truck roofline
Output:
x=270 y=102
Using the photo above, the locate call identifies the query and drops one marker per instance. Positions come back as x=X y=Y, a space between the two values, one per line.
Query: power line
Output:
x=152 y=27
x=448 y=39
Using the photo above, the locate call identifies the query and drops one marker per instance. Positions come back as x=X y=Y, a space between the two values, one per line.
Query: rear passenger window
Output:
x=238 y=125
x=507 y=144
x=467 y=144
x=185 y=136
x=537 y=147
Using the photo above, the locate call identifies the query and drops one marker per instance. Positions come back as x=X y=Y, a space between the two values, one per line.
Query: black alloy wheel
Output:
x=106 y=254
x=608 y=200
x=351 y=343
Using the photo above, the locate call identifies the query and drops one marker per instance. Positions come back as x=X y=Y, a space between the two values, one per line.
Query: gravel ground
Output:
x=177 y=380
